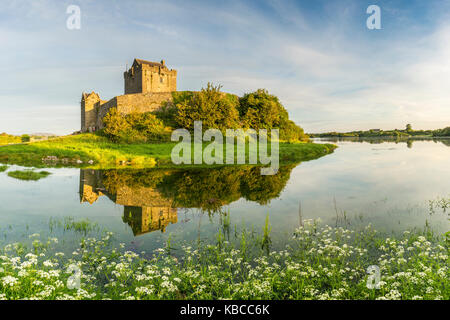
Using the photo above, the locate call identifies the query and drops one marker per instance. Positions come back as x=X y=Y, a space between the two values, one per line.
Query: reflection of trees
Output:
x=262 y=189
x=444 y=141
x=150 y=197
x=207 y=189
x=114 y=179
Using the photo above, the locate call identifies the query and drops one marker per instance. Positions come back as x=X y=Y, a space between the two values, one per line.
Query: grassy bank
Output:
x=320 y=262
x=90 y=150
x=28 y=175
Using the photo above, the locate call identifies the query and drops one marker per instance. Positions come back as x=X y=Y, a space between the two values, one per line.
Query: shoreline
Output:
x=90 y=151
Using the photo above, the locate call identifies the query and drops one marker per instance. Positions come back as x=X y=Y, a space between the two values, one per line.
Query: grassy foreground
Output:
x=90 y=150
x=321 y=262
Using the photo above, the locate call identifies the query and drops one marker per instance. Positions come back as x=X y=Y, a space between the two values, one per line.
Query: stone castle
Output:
x=147 y=86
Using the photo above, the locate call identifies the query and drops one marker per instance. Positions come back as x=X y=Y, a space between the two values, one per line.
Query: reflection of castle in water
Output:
x=145 y=209
x=151 y=197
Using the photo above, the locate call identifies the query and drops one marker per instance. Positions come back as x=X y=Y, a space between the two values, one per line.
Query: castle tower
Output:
x=89 y=101
x=146 y=76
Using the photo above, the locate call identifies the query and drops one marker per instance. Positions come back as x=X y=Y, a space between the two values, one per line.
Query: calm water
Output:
x=387 y=184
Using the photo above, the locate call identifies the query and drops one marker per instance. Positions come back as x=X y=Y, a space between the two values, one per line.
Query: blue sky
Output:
x=318 y=57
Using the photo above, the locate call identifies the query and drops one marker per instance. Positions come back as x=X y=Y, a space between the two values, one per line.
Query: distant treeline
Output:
x=10 y=139
x=407 y=132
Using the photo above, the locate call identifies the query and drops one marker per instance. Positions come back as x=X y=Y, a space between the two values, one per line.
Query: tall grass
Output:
x=83 y=226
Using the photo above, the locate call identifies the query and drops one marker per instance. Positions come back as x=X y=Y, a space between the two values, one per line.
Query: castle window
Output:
x=161 y=79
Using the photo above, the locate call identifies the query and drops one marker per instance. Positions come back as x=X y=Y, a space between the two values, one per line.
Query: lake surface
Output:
x=385 y=183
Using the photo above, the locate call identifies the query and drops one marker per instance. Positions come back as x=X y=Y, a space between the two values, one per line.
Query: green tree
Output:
x=147 y=125
x=442 y=132
x=289 y=131
x=134 y=127
x=211 y=106
x=115 y=125
x=261 y=110
x=25 y=138
x=408 y=128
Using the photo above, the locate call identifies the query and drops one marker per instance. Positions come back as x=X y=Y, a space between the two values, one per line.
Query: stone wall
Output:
x=161 y=80
x=133 y=81
x=128 y=103
x=103 y=110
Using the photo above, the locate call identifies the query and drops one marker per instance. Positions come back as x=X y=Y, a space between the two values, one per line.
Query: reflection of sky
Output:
x=384 y=183
x=387 y=184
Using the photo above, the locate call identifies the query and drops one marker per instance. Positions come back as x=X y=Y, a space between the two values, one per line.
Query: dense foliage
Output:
x=134 y=127
x=261 y=110
x=442 y=132
x=256 y=110
x=211 y=106
x=289 y=131
x=25 y=138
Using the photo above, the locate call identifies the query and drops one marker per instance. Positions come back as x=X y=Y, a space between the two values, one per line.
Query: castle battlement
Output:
x=147 y=86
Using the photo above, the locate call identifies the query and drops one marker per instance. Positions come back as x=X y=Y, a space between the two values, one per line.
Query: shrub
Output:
x=134 y=127
x=261 y=110
x=147 y=125
x=115 y=124
x=25 y=138
x=214 y=108
x=289 y=131
x=167 y=114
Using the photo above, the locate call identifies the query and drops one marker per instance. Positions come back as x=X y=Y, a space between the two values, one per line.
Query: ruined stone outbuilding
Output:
x=147 y=86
